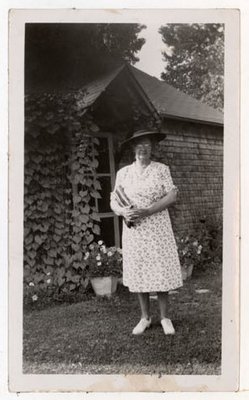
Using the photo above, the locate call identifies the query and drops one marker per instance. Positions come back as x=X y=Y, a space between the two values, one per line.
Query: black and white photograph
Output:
x=123 y=199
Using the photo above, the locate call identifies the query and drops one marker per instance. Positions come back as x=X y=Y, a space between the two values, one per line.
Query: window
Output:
x=109 y=225
x=105 y=174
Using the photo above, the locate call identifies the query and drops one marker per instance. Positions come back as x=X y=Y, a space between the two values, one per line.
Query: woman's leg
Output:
x=145 y=322
x=163 y=301
x=144 y=301
x=166 y=323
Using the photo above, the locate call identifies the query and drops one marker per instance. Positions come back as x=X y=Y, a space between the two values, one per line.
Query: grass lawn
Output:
x=95 y=336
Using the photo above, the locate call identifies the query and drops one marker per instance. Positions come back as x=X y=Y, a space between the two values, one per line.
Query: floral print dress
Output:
x=150 y=257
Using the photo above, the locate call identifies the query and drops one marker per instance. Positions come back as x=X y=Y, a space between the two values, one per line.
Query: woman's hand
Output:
x=141 y=213
x=133 y=214
x=129 y=213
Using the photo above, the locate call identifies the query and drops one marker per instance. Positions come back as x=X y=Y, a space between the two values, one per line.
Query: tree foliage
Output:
x=194 y=58
x=59 y=51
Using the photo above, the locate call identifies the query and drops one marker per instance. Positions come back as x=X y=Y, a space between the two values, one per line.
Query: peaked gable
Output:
x=168 y=101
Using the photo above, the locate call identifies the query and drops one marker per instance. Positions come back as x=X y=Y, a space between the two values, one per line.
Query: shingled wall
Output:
x=194 y=153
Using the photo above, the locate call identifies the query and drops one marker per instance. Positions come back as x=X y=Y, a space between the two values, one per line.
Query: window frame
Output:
x=112 y=175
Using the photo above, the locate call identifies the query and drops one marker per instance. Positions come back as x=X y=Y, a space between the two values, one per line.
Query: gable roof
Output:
x=166 y=100
x=95 y=88
x=173 y=103
x=159 y=96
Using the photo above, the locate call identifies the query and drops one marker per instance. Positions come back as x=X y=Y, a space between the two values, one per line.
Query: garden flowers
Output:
x=199 y=249
x=189 y=251
x=202 y=248
x=103 y=261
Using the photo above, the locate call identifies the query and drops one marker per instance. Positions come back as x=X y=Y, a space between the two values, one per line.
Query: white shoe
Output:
x=141 y=326
x=167 y=326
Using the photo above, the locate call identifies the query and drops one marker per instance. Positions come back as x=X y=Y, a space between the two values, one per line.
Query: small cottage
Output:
x=73 y=132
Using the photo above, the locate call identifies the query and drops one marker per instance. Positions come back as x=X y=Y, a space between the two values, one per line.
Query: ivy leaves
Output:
x=60 y=216
x=83 y=179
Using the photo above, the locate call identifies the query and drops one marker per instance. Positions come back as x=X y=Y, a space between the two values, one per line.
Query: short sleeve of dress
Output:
x=166 y=179
x=118 y=180
x=114 y=204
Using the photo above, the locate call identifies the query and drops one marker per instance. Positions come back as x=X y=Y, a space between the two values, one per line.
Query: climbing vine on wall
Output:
x=60 y=217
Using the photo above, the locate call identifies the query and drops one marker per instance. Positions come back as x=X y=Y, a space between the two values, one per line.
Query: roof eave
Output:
x=196 y=121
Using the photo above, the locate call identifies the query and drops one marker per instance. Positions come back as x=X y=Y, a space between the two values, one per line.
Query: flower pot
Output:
x=120 y=280
x=104 y=286
x=184 y=274
x=190 y=271
x=187 y=272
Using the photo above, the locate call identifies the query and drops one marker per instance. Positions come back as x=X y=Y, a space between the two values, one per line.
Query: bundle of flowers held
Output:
x=103 y=261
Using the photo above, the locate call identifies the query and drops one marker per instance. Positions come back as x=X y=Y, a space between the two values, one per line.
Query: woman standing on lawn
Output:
x=143 y=192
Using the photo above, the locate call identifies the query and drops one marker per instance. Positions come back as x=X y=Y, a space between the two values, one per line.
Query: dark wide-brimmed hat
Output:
x=148 y=133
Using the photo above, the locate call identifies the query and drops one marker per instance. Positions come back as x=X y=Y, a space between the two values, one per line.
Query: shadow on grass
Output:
x=94 y=336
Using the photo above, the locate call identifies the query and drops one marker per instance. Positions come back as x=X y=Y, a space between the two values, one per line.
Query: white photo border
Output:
x=228 y=380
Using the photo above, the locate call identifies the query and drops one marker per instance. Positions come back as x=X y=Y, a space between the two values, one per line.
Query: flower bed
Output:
x=98 y=261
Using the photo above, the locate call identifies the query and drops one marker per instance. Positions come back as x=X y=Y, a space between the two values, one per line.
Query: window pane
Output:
x=103 y=157
x=107 y=231
x=104 y=202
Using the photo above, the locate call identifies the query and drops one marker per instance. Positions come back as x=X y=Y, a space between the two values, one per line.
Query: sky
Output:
x=150 y=54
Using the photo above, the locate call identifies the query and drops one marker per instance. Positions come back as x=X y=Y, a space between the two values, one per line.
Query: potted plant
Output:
x=189 y=250
x=103 y=267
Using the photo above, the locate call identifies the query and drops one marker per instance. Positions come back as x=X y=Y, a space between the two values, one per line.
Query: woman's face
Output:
x=143 y=149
